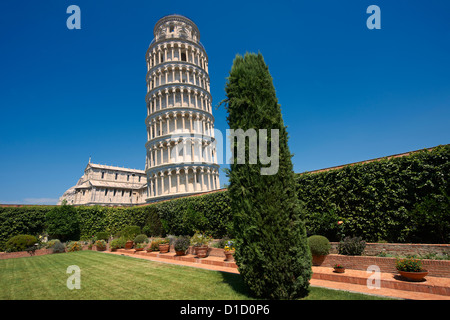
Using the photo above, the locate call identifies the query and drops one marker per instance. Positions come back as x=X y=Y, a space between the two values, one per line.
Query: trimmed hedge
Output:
x=208 y=213
x=404 y=199
x=21 y=220
x=62 y=223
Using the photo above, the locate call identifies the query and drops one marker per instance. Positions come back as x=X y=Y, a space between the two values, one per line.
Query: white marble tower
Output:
x=181 y=156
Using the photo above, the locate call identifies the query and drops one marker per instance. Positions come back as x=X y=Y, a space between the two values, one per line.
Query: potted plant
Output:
x=115 y=244
x=411 y=269
x=100 y=245
x=320 y=248
x=141 y=238
x=139 y=246
x=129 y=233
x=200 y=243
x=339 y=268
x=229 y=250
x=154 y=245
x=74 y=246
x=164 y=246
x=181 y=244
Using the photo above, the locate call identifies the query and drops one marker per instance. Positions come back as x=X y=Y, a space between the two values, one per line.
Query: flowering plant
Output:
x=118 y=243
x=100 y=244
x=139 y=245
x=229 y=246
x=200 y=239
x=154 y=245
x=338 y=266
x=74 y=246
x=408 y=265
x=164 y=241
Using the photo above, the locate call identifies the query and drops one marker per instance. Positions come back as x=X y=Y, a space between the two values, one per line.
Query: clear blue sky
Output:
x=347 y=93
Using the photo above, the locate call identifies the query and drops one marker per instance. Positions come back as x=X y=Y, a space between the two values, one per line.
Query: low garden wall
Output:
x=21 y=254
x=436 y=268
x=400 y=249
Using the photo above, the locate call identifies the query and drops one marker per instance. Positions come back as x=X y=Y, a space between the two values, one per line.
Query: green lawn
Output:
x=106 y=276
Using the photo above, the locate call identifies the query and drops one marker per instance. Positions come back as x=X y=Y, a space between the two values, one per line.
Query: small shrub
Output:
x=100 y=244
x=154 y=245
x=58 y=247
x=20 y=242
x=74 y=246
x=51 y=243
x=114 y=244
x=182 y=243
x=408 y=265
x=435 y=256
x=130 y=232
x=118 y=243
x=200 y=239
x=122 y=242
x=383 y=254
x=139 y=245
x=352 y=246
x=102 y=236
x=221 y=243
x=164 y=241
x=319 y=245
x=141 y=238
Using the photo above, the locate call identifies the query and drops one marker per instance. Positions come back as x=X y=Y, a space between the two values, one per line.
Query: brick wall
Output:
x=436 y=268
x=21 y=254
x=373 y=249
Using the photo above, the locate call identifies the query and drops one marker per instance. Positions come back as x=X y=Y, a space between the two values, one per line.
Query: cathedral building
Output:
x=181 y=149
x=108 y=186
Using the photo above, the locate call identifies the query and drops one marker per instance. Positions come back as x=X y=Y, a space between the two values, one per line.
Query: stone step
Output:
x=210 y=260
x=431 y=285
x=356 y=280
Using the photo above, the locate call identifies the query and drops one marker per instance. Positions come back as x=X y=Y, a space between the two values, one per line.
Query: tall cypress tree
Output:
x=272 y=253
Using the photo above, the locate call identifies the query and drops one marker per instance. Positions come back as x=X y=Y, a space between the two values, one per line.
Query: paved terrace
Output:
x=391 y=285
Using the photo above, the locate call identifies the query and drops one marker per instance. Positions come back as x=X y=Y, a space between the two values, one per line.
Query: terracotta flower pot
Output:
x=129 y=244
x=339 y=270
x=139 y=249
x=202 y=252
x=229 y=255
x=164 y=248
x=414 y=276
x=317 y=260
x=180 y=252
x=100 y=248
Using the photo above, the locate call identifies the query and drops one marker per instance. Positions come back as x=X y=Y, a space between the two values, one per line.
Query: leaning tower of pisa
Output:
x=181 y=156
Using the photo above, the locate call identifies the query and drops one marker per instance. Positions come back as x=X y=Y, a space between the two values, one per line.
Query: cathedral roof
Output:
x=114 y=168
